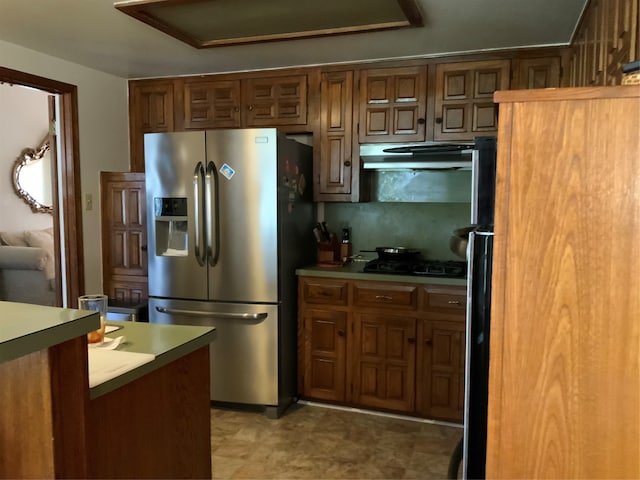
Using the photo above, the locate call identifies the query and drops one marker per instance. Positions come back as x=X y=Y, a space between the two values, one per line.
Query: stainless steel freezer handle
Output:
x=201 y=313
x=198 y=182
x=212 y=234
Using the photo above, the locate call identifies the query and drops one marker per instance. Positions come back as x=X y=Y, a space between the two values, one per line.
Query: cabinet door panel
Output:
x=326 y=291
x=325 y=354
x=442 y=355
x=212 y=104
x=541 y=72
x=335 y=166
x=393 y=104
x=274 y=101
x=464 y=104
x=151 y=110
x=384 y=361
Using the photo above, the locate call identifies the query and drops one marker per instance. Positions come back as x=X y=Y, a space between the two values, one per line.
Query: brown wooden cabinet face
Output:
x=335 y=166
x=275 y=101
x=325 y=354
x=393 y=104
x=464 y=98
x=442 y=353
x=150 y=111
x=212 y=104
x=384 y=349
x=536 y=73
x=324 y=291
x=124 y=235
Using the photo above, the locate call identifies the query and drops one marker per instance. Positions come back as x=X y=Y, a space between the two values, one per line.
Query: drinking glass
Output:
x=97 y=303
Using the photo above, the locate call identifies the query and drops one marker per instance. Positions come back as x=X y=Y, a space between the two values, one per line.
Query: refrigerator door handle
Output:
x=212 y=215
x=198 y=182
x=475 y=179
x=201 y=313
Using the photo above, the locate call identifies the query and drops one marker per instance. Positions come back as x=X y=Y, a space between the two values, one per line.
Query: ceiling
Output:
x=95 y=34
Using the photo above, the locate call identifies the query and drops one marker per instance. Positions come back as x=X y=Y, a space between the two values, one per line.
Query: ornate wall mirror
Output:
x=32 y=177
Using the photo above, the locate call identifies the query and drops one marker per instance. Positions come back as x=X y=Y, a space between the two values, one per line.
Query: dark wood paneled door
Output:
x=124 y=236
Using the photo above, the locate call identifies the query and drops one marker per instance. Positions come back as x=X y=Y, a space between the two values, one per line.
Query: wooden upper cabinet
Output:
x=393 y=105
x=124 y=235
x=151 y=110
x=274 y=101
x=211 y=104
x=464 y=105
x=335 y=166
x=245 y=102
x=543 y=72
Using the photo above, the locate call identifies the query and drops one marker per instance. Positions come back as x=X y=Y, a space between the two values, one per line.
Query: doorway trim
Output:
x=71 y=203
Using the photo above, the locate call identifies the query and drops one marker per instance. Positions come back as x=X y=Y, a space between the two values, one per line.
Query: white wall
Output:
x=24 y=122
x=103 y=134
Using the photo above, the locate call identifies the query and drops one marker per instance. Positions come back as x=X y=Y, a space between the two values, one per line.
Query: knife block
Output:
x=329 y=252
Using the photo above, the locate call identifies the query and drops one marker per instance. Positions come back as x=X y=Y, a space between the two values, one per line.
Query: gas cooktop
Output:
x=431 y=268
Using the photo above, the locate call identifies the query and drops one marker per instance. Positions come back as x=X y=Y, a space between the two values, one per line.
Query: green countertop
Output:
x=26 y=328
x=166 y=342
x=353 y=271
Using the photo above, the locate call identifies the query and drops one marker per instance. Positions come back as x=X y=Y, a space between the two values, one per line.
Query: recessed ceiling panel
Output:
x=211 y=23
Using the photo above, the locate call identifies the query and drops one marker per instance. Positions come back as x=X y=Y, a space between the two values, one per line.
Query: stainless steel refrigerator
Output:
x=230 y=217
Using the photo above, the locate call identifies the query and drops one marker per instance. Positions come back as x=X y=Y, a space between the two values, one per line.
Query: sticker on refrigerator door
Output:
x=227 y=171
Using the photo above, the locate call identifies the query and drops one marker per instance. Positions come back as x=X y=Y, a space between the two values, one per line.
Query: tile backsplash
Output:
x=423 y=226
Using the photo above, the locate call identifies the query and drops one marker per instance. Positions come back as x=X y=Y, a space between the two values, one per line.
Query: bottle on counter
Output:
x=345 y=245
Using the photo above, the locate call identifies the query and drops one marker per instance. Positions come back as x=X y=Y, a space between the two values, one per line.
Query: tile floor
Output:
x=315 y=442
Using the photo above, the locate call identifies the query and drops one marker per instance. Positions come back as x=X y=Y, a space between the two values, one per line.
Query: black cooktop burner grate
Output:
x=433 y=268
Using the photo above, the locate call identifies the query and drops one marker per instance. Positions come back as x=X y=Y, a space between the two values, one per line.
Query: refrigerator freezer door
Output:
x=244 y=356
x=243 y=232
x=479 y=260
x=171 y=161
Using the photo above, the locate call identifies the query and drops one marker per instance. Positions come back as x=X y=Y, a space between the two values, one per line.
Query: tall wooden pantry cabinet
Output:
x=564 y=383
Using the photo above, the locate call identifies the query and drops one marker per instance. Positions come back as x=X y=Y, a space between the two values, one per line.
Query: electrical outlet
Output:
x=88 y=202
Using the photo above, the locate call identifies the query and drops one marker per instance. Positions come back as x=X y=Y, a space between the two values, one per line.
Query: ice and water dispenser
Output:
x=171 y=227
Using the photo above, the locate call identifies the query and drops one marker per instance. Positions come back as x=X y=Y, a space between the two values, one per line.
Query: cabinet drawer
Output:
x=324 y=291
x=383 y=295
x=451 y=298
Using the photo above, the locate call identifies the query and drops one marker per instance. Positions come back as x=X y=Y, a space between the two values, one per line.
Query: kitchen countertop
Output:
x=26 y=328
x=353 y=271
x=166 y=342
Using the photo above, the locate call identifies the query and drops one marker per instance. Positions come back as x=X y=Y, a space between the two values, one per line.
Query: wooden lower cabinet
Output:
x=391 y=346
x=441 y=370
x=384 y=360
x=325 y=354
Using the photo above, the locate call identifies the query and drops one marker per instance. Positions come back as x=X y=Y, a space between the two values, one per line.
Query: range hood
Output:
x=435 y=156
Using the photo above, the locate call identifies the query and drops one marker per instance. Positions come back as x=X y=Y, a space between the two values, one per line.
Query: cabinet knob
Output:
x=237 y=109
x=341 y=333
x=411 y=340
x=421 y=121
x=439 y=120
x=347 y=163
x=428 y=341
x=250 y=107
x=143 y=248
